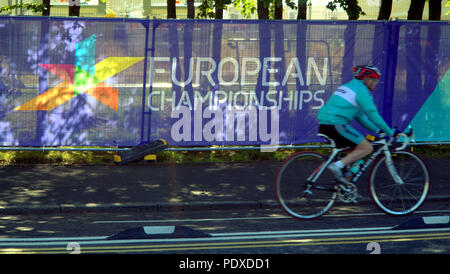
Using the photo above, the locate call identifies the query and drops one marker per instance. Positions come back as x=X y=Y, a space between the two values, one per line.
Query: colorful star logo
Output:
x=85 y=76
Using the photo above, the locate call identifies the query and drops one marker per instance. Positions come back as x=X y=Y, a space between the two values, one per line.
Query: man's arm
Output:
x=365 y=101
x=363 y=120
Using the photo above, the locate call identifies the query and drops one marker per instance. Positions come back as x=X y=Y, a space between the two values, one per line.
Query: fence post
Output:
x=43 y=58
x=390 y=50
x=144 y=80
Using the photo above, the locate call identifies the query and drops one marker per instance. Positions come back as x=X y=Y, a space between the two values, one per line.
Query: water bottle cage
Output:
x=356 y=166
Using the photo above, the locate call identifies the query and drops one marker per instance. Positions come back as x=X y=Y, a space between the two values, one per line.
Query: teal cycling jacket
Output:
x=353 y=101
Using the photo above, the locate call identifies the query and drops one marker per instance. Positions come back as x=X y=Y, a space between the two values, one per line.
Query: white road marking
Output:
x=223 y=237
x=69 y=239
x=437 y=220
x=299 y=231
x=191 y=220
x=254 y=218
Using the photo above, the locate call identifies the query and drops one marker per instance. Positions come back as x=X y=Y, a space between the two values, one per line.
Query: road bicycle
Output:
x=398 y=181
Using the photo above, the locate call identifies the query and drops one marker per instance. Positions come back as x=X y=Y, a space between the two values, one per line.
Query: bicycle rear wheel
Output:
x=399 y=198
x=298 y=197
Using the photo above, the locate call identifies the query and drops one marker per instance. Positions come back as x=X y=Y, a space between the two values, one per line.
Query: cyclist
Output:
x=352 y=100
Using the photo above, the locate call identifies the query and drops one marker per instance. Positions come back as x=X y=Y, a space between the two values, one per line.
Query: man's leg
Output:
x=363 y=149
x=360 y=151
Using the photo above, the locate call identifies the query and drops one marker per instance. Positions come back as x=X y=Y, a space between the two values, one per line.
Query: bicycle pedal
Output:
x=307 y=192
x=344 y=187
x=348 y=193
x=356 y=199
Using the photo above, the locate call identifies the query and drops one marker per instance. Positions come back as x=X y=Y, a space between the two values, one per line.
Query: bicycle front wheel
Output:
x=296 y=195
x=404 y=195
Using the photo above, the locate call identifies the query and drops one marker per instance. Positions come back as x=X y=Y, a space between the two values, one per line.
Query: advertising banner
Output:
x=109 y=82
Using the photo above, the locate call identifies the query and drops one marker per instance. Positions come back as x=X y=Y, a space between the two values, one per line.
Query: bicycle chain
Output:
x=348 y=193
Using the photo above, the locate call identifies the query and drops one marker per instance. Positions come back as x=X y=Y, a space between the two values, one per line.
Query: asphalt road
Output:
x=345 y=230
x=234 y=204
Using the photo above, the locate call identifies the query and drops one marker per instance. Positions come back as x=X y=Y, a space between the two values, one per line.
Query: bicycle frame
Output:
x=312 y=198
x=384 y=147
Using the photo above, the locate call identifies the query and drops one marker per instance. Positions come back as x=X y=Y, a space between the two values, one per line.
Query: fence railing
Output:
x=208 y=84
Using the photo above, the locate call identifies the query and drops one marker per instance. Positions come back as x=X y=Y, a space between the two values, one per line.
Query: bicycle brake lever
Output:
x=405 y=143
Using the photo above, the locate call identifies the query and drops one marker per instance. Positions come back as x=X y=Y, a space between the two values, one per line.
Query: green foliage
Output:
x=55 y=157
x=206 y=10
x=249 y=7
x=34 y=7
x=246 y=7
x=208 y=7
x=291 y=4
x=180 y=157
x=351 y=7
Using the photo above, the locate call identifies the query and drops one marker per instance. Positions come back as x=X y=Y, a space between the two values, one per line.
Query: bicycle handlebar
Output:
x=405 y=144
x=405 y=134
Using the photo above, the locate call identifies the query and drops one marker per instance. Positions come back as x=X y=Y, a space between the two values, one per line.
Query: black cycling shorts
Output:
x=343 y=135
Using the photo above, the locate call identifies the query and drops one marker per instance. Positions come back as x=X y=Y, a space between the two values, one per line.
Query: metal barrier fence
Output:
x=203 y=84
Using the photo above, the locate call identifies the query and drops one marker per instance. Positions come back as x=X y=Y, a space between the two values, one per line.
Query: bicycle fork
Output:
x=391 y=168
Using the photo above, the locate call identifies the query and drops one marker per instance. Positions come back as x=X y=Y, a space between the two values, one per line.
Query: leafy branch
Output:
x=34 y=7
x=246 y=7
x=351 y=7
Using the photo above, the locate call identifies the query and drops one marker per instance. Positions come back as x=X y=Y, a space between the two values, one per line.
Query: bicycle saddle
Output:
x=332 y=142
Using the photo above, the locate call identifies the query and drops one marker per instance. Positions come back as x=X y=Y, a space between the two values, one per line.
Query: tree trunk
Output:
x=416 y=9
x=190 y=9
x=217 y=41
x=385 y=10
x=413 y=51
x=264 y=44
x=434 y=10
x=43 y=58
x=216 y=51
x=349 y=52
x=174 y=53
x=301 y=15
x=263 y=12
x=431 y=62
x=171 y=9
x=302 y=28
x=352 y=11
x=278 y=10
x=188 y=35
x=219 y=9
x=46 y=12
x=74 y=9
x=280 y=67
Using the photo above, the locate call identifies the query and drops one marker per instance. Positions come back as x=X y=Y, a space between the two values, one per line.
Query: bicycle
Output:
x=398 y=182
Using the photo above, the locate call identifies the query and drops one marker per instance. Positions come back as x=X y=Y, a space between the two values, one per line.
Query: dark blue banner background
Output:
x=107 y=82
